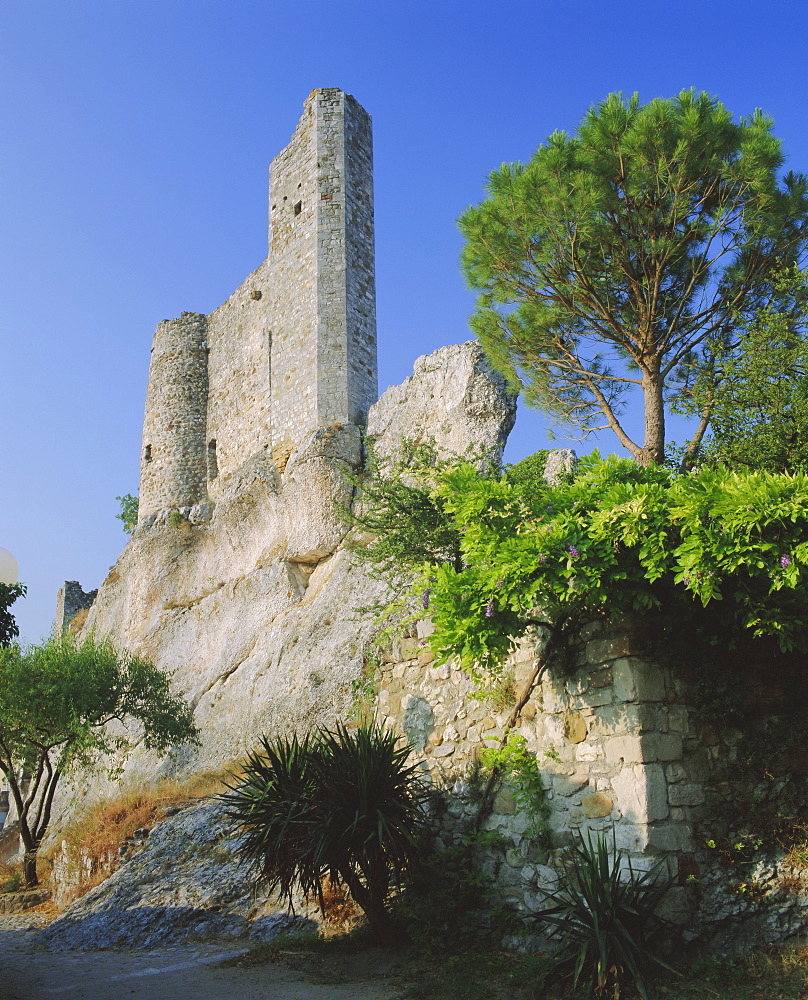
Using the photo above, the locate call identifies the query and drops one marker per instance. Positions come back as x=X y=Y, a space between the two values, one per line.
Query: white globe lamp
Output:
x=9 y=570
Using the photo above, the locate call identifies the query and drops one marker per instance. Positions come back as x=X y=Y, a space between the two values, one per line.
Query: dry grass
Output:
x=797 y=856
x=341 y=915
x=108 y=823
x=77 y=621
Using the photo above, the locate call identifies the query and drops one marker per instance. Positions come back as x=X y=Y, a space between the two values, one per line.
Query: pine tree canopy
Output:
x=622 y=259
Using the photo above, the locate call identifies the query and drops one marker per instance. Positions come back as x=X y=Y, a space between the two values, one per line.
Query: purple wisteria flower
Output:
x=425 y=598
x=573 y=551
x=549 y=508
x=500 y=584
x=489 y=608
x=785 y=560
x=686 y=581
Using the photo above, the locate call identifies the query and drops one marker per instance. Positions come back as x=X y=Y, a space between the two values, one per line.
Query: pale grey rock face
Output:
x=453 y=397
x=255 y=608
x=185 y=884
x=560 y=462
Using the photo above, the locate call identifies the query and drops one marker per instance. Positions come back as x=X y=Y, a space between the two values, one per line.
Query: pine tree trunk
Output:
x=653 y=449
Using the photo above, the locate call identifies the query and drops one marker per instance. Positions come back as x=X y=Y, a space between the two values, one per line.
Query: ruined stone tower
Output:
x=294 y=348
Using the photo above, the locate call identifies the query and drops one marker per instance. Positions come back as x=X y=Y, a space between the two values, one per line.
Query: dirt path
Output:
x=28 y=972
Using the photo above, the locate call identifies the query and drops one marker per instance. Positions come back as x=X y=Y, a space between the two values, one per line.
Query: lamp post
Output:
x=9 y=570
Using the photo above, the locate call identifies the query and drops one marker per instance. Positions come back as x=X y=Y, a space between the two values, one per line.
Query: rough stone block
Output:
x=596 y=805
x=641 y=793
x=601 y=678
x=631 y=836
x=675 y=772
x=670 y=837
x=575 y=728
x=636 y=680
x=409 y=649
x=567 y=785
x=594 y=698
x=685 y=794
x=663 y=746
x=598 y=650
x=424 y=627
x=553 y=699
x=677 y=906
x=623 y=684
x=504 y=803
x=678 y=721
x=624 y=749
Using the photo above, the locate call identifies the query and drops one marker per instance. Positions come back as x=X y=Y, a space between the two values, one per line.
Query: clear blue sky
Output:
x=136 y=136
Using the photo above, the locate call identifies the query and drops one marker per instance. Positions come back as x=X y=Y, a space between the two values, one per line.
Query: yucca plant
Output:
x=343 y=804
x=273 y=806
x=604 y=917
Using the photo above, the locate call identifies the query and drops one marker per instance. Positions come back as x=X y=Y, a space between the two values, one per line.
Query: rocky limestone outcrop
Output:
x=185 y=884
x=253 y=603
x=453 y=398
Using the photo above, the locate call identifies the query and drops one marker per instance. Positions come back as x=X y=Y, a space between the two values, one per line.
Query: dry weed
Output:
x=106 y=824
x=341 y=914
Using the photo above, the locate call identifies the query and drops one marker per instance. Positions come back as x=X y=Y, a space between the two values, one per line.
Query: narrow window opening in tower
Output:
x=147 y=453
x=298 y=207
x=213 y=465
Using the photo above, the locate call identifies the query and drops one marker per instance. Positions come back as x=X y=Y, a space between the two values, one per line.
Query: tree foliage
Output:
x=9 y=630
x=620 y=259
x=620 y=538
x=343 y=804
x=128 y=513
x=65 y=704
x=758 y=389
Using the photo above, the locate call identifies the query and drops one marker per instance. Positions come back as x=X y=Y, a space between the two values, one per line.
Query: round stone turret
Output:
x=173 y=460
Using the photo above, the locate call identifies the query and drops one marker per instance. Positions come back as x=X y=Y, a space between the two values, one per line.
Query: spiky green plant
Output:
x=344 y=804
x=273 y=806
x=604 y=917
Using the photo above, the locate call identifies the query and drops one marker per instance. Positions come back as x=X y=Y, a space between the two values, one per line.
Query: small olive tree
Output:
x=9 y=630
x=57 y=703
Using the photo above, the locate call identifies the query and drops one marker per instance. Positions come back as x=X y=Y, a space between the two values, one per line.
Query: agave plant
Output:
x=604 y=917
x=344 y=804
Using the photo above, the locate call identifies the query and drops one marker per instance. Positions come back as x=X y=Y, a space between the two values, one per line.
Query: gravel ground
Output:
x=28 y=971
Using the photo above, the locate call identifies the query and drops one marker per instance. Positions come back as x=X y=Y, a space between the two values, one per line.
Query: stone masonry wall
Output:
x=293 y=223
x=69 y=601
x=173 y=465
x=293 y=350
x=323 y=338
x=239 y=410
x=620 y=749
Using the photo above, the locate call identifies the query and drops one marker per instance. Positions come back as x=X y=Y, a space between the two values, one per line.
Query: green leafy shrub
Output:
x=729 y=549
x=128 y=512
x=9 y=630
x=343 y=804
x=514 y=761
x=529 y=473
x=604 y=919
x=450 y=905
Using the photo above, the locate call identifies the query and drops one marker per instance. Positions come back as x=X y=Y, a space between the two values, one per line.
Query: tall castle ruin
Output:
x=236 y=577
x=293 y=349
